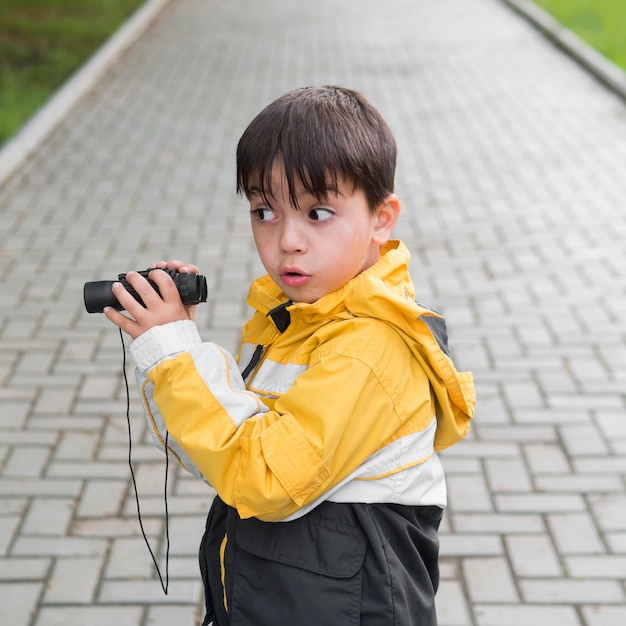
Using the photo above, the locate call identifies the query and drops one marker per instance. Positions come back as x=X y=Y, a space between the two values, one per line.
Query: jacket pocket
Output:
x=306 y=572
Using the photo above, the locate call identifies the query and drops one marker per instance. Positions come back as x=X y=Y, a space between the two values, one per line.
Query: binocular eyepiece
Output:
x=99 y=294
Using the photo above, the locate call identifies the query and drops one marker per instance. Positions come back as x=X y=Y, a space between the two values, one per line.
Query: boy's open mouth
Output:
x=293 y=277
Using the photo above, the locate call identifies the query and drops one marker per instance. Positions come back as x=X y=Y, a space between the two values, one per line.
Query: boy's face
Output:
x=315 y=250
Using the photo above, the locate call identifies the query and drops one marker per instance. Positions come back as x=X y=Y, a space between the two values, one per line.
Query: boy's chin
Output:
x=301 y=295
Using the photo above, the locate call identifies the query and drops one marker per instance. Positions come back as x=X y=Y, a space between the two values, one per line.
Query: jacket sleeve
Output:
x=170 y=341
x=270 y=463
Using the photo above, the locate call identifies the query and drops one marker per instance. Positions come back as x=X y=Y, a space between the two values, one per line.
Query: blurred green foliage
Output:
x=601 y=23
x=42 y=42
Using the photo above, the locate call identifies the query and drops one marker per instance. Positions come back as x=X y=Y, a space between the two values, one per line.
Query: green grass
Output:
x=42 y=42
x=601 y=23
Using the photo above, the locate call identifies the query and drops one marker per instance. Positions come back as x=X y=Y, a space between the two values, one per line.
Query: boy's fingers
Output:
x=161 y=278
x=128 y=301
x=179 y=266
x=121 y=321
x=167 y=287
x=162 y=305
x=144 y=289
x=158 y=265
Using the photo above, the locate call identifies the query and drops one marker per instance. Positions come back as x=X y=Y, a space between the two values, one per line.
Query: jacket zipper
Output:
x=254 y=361
x=281 y=318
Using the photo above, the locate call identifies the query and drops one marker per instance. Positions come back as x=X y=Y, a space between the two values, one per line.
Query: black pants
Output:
x=341 y=564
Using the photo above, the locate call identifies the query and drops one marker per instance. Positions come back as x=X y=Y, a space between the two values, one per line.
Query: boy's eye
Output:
x=320 y=214
x=264 y=215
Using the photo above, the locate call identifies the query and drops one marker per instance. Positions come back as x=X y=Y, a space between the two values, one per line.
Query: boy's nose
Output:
x=291 y=237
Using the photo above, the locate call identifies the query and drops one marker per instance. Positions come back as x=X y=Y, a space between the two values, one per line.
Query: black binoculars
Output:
x=99 y=294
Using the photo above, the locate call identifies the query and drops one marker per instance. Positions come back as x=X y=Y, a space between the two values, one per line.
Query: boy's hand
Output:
x=181 y=268
x=158 y=310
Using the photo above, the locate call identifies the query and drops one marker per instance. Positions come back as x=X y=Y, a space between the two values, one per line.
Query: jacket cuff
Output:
x=163 y=341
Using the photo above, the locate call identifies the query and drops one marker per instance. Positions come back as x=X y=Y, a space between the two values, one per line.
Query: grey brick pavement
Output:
x=512 y=175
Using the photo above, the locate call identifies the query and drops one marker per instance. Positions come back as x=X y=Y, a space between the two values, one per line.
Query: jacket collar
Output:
x=389 y=273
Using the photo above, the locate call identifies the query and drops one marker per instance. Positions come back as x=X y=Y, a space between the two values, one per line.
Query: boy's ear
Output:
x=387 y=216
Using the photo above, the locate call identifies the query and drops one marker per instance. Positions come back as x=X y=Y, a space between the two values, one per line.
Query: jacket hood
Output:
x=385 y=292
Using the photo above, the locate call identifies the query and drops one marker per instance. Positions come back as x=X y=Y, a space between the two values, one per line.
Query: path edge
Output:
x=35 y=131
x=607 y=72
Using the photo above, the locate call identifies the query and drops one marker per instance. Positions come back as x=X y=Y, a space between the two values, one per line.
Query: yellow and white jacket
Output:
x=346 y=399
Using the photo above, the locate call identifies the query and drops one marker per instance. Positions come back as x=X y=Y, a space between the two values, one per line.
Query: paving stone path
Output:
x=512 y=173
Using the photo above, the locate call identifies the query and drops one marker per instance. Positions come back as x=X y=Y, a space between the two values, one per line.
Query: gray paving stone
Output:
x=99 y=387
x=92 y=615
x=185 y=532
x=8 y=528
x=73 y=581
x=13 y=414
x=507 y=475
x=524 y=615
x=550 y=416
x=598 y=465
x=18 y=601
x=76 y=446
x=618 y=447
x=481 y=449
x=149 y=592
x=533 y=556
x=10 y=506
x=588 y=400
x=576 y=483
x=55 y=400
x=544 y=459
x=583 y=440
x=522 y=394
x=183 y=505
x=512 y=433
x=185 y=567
x=86 y=470
x=26 y=461
x=538 y=503
x=76 y=423
x=575 y=533
x=23 y=570
x=101 y=498
x=168 y=615
x=604 y=615
x=452 y=607
x=29 y=546
x=604 y=566
x=48 y=516
x=115 y=527
x=609 y=511
x=497 y=523
x=616 y=542
x=469 y=493
x=460 y=464
x=33 y=487
x=461 y=544
x=572 y=591
x=128 y=558
x=489 y=580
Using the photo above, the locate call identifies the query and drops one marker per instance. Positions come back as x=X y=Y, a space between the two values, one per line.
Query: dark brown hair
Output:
x=319 y=134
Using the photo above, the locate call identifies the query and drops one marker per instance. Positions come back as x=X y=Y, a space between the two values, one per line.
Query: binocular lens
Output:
x=98 y=295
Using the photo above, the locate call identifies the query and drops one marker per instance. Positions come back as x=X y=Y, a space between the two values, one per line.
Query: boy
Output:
x=320 y=438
